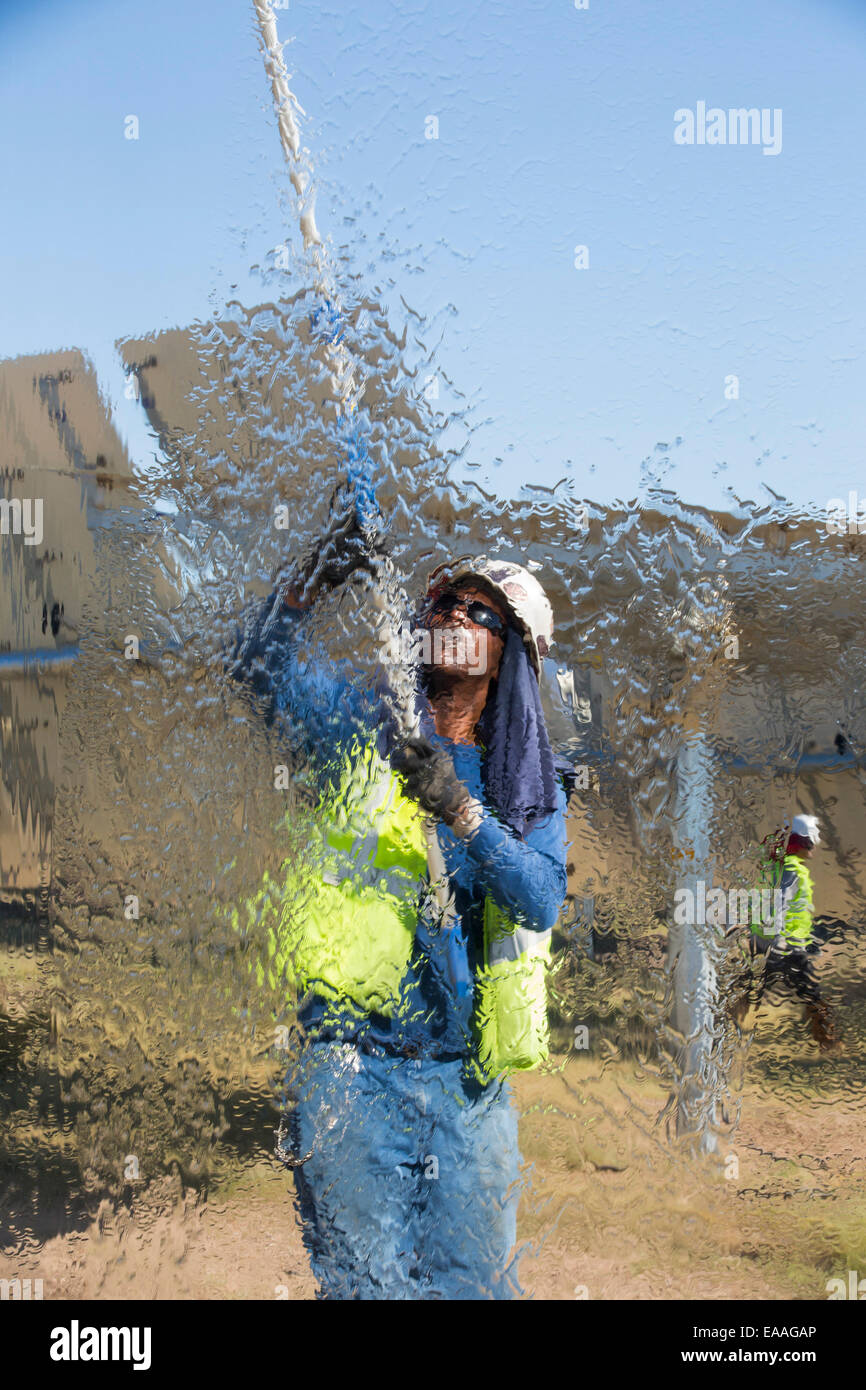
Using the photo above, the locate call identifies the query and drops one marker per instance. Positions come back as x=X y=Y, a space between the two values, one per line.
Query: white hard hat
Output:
x=807 y=827
x=520 y=590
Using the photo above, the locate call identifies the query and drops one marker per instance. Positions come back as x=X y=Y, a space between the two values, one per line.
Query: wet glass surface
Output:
x=161 y=815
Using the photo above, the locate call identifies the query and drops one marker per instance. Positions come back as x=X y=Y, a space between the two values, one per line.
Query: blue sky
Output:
x=555 y=130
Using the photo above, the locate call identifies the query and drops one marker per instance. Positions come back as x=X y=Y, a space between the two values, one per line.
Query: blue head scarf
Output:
x=518 y=765
x=519 y=773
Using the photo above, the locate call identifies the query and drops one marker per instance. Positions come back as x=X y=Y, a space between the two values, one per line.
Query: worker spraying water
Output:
x=416 y=937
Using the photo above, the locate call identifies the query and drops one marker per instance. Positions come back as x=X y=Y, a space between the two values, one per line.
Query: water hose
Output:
x=328 y=320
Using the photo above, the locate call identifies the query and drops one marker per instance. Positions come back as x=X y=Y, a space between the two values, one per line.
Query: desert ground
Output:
x=613 y=1207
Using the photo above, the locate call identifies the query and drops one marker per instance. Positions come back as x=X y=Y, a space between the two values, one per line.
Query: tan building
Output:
x=59 y=450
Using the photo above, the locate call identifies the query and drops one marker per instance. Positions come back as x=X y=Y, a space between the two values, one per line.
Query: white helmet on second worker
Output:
x=807 y=827
x=520 y=590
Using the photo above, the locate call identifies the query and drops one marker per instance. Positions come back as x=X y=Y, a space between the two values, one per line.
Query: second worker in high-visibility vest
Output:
x=786 y=938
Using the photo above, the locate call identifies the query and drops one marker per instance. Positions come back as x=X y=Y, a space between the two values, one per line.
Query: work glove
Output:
x=354 y=541
x=430 y=778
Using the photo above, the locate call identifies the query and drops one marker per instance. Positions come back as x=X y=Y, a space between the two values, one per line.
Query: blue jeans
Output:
x=410 y=1189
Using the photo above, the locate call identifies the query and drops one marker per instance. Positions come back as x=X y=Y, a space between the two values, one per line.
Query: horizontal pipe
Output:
x=36 y=663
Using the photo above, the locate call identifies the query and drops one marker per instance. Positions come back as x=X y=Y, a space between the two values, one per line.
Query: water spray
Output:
x=348 y=389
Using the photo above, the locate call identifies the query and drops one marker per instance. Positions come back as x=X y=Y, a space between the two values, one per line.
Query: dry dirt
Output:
x=612 y=1209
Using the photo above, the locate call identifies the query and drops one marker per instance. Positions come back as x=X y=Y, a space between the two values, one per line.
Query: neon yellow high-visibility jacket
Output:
x=793 y=919
x=342 y=924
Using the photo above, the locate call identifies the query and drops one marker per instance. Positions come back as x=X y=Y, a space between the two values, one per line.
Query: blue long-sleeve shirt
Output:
x=525 y=878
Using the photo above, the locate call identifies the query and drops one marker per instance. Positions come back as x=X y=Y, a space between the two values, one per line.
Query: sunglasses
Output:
x=476 y=611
